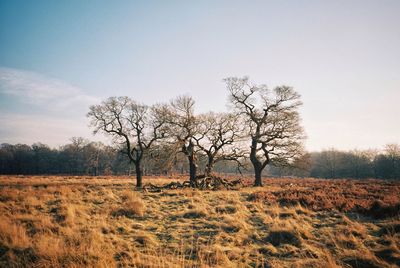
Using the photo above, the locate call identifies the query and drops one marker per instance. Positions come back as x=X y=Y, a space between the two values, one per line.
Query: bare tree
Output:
x=161 y=159
x=392 y=151
x=183 y=126
x=218 y=137
x=135 y=126
x=328 y=163
x=272 y=121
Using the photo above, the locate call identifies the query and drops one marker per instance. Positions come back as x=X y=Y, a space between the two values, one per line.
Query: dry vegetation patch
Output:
x=131 y=205
x=379 y=199
x=280 y=237
x=102 y=222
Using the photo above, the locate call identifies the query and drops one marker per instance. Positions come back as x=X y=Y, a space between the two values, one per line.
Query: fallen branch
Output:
x=201 y=183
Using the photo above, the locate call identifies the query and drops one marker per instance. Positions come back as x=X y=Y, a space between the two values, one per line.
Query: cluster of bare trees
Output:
x=82 y=157
x=262 y=130
x=79 y=157
x=357 y=163
x=263 y=126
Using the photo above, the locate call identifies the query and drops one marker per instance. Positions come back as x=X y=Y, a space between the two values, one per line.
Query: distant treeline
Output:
x=82 y=157
x=358 y=164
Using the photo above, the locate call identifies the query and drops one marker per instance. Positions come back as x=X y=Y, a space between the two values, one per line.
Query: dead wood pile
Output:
x=201 y=183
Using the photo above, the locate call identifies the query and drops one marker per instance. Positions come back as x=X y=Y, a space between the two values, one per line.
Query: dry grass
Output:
x=131 y=205
x=102 y=222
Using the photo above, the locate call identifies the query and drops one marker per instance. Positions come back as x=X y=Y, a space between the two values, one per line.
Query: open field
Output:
x=101 y=222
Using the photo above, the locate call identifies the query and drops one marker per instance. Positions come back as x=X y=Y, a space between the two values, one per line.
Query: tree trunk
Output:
x=191 y=155
x=139 y=174
x=256 y=163
x=209 y=166
x=257 y=175
x=192 y=170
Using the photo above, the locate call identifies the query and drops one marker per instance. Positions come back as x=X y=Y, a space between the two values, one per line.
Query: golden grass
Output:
x=131 y=205
x=102 y=222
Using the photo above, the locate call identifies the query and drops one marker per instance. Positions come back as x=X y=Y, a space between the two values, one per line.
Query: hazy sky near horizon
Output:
x=59 y=57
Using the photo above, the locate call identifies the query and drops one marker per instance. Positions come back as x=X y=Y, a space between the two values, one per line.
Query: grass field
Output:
x=102 y=222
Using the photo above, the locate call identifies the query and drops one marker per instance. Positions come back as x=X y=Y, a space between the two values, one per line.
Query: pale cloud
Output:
x=37 y=89
x=62 y=113
x=29 y=129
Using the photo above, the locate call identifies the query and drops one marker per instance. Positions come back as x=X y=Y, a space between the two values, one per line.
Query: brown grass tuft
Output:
x=13 y=235
x=280 y=237
x=131 y=206
x=194 y=214
x=228 y=209
x=145 y=240
x=360 y=262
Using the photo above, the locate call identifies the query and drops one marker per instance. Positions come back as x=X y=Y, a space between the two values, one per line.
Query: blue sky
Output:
x=58 y=57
